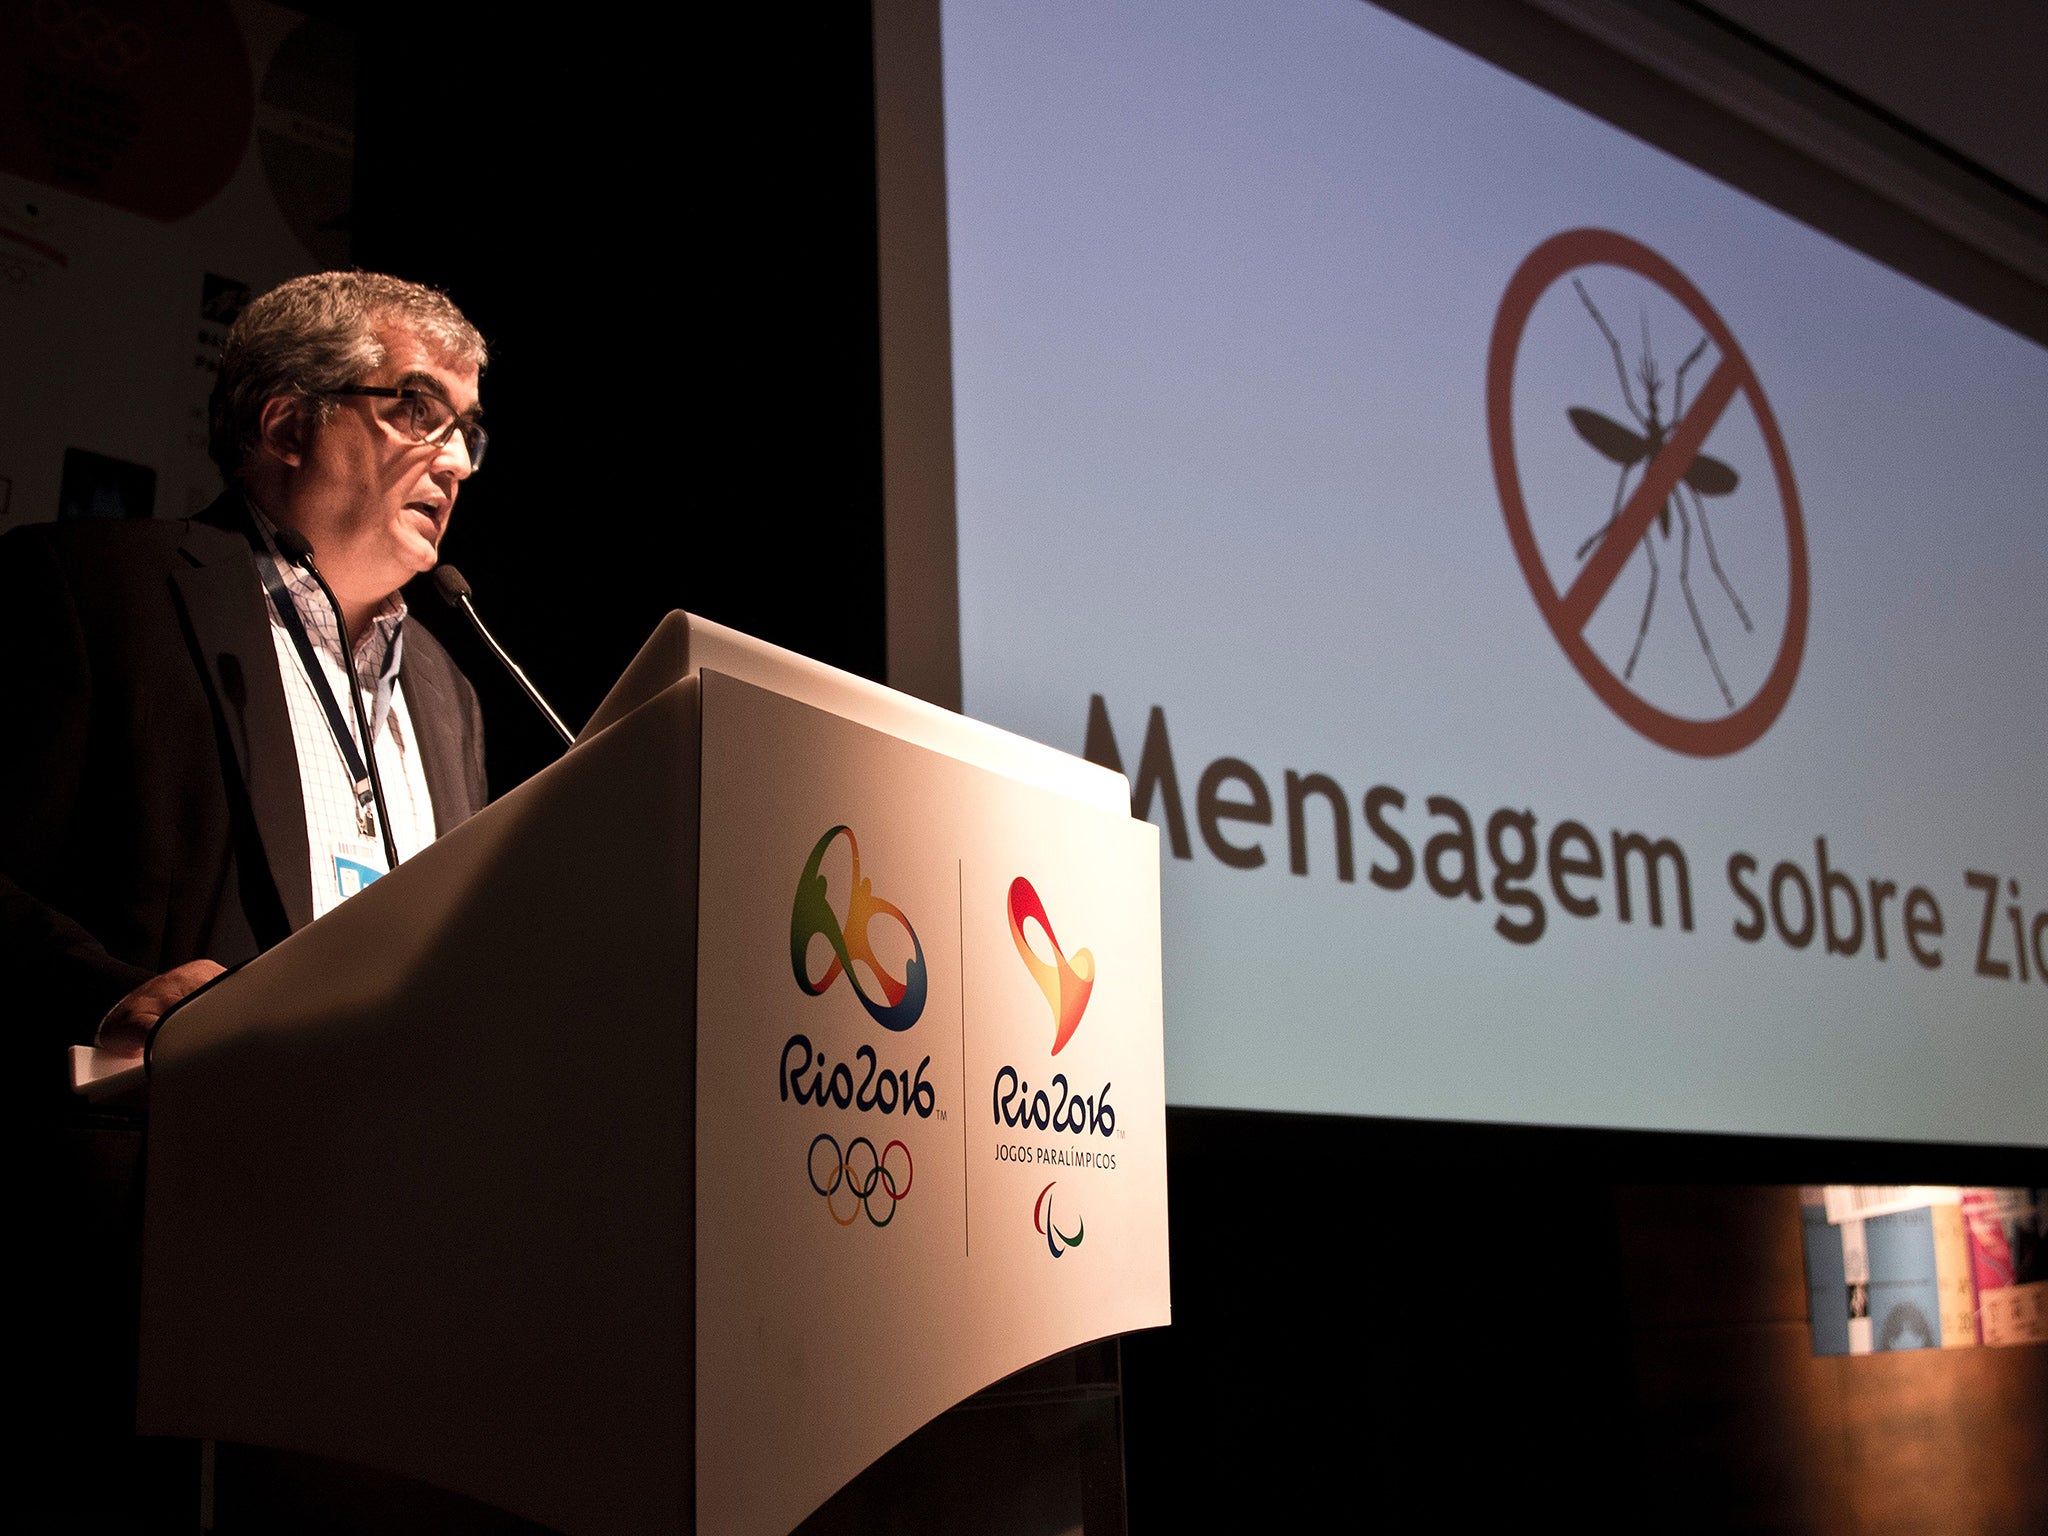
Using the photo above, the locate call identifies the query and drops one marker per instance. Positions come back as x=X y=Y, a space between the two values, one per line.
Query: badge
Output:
x=356 y=864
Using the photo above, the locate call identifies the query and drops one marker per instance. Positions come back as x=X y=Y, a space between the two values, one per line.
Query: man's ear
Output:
x=284 y=427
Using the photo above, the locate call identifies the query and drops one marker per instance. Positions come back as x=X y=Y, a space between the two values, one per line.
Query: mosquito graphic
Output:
x=1705 y=476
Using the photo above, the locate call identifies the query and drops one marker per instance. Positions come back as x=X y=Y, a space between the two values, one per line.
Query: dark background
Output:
x=668 y=237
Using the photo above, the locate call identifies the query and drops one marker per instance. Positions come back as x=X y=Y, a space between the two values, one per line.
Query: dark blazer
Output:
x=150 y=808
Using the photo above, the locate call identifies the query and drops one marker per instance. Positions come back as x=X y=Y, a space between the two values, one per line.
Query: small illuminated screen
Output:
x=1582 y=633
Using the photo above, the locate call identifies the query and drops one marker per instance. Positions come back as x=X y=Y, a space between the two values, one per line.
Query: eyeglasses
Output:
x=426 y=418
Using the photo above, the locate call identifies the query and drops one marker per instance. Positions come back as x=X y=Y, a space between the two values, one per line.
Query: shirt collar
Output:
x=377 y=649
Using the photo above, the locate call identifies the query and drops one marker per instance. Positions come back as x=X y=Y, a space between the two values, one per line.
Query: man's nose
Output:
x=453 y=459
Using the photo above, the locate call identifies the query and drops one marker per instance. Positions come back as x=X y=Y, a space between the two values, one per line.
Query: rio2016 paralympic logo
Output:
x=1065 y=983
x=902 y=1002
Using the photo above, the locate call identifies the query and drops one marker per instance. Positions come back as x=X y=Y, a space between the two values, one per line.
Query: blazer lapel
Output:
x=224 y=603
x=436 y=714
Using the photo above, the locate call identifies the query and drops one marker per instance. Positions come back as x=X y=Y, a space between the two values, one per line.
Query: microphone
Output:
x=296 y=548
x=456 y=594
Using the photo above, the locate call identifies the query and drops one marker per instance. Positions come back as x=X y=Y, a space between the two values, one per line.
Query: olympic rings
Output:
x=861 y=1188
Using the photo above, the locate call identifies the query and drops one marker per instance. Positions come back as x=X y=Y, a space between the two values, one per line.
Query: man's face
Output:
x=373 y=502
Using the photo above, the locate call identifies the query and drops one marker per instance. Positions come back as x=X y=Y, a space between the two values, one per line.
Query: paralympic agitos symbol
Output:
x=1065 y=983
x=1041 y=1221
x=902 y=1002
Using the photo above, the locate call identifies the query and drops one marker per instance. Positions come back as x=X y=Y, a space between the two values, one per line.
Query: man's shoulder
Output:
x=120 y=583
x=94 y=541
x=84 y=548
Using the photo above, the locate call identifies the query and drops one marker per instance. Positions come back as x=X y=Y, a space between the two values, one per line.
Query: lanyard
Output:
x=338 y=725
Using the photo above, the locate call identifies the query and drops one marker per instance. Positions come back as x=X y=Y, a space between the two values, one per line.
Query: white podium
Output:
x=779 y=1068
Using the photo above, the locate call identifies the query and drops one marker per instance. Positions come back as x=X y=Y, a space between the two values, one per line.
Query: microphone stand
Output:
x=455 y=592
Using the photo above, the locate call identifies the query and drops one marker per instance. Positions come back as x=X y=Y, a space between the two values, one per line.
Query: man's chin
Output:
x=415 y=564
x=422 y=554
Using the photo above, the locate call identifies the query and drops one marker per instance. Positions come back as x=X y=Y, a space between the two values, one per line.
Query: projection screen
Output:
x=1580 y=630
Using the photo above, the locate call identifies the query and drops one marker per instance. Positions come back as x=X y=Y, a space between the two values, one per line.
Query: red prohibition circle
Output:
x=1567 y=612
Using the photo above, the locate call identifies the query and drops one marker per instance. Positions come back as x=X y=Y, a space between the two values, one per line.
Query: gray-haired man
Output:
x=179 y=791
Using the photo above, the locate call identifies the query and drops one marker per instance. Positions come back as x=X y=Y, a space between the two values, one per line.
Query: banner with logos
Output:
x=931 y=1097
x=161 y=162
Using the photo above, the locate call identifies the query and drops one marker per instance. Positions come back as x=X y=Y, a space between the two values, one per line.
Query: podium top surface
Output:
x=684 y=644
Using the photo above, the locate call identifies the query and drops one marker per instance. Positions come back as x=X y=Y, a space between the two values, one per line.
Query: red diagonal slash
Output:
x=1659 y=481
x=1567 y=613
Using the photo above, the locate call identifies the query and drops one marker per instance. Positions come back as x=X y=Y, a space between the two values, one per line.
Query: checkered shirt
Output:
x=323 y=776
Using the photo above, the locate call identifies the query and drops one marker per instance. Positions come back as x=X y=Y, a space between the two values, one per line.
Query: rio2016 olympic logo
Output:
x=1065 y=983
x=1041 y=1220
x=902 y=1002
x=862 y=1178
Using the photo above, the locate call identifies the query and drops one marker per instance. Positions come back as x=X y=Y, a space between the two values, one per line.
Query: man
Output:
x=176 y=792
